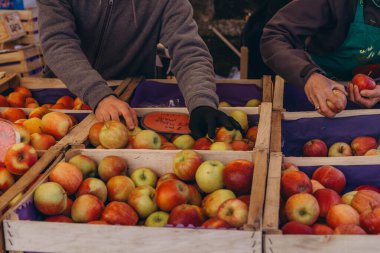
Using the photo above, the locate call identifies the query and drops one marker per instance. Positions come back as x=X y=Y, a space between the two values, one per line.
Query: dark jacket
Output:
x=86 y=42
x=303 y=26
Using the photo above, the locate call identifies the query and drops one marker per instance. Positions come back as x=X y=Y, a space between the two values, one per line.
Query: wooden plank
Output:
x=21 y=235
x=322 y=244
x=24 y=14
x=276 y=132
x=31 y=52
x=264 y=128
x=30 y=26
x=9 y=80
x=278 y=97
x=14 y=56
x=334 y=161
x=128 y=92
x=313 y=114
x=272 y=198
x=267 y=89
x=244 y=63
x=51 y=83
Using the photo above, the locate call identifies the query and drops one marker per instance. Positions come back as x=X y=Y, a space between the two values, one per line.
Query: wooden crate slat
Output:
x=267 y=89
x=278 y=98
x=10 y=80
x=24 y=15
x=276 y=132
x=16 y=56
x=31 y=52
x=264 y=128
x=30 y=26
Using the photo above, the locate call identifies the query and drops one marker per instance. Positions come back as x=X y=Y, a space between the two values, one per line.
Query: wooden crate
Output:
x=67 y=237
x=26 y=61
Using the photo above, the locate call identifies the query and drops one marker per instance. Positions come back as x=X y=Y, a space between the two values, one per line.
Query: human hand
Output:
x=326 y=95
x=111 y=108
x=366 y=98
x=204 y=120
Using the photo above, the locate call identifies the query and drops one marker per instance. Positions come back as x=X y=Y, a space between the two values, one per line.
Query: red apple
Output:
x=13 y=114
x=320 y=229
x=6 y=179
x=85 y=164
x=171 y=193
x=234 y=212
x=342 y=214
x=186 y=215
x=120 y=213
x=195 y=197
x=3 y=101
x=287 y=167
x=240 y=145
x=93 y=186
x=59 y=218
x=166 y=177
x=252 y=133
x=57 y=124
x=24 y=134
x=25 y=91
x=67 y=211
x=296 y=228
x=246 y=199
x=167 y=146
x=186 y=164
x=303 y=208
x=67 y=101
x=86 y=208
x=327 y=198
x=330 y=177
x=237 y=176
x=38 y=112
x=50 y=198
x=202 y=144
x=340 y=149
x=19 y=158
x=113 y=135
x=367 y=187
x=68 y=176
x=295 y=182
x=215 y=223
x=365 y=200
x=224 y=135
x=349 y=229
x=93 y=134
x=370 y=220
x=361 y=145
x=111 y=166
x=363 y=82
x=119 y=188
x=213 y=201
x=42 y=141
x=315 y=148
x=16 y=99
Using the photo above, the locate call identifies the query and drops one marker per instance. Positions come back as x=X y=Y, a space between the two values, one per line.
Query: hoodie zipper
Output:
x=99 y=47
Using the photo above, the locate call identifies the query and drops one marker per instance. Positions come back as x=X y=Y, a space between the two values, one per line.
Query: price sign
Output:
x=167 y=122
x=11 y=27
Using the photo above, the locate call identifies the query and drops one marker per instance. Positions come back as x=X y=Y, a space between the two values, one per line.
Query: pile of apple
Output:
x=250 y=103
x=363 y=145
x=314 y=206
x=115 y=135
x=83 y=192
x=42 y=128
x=22 y=97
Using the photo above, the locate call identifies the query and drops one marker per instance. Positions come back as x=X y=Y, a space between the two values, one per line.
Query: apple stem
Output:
x=370 y=73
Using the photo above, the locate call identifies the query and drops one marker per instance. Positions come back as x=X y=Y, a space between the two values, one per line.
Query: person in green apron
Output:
x=315 y=44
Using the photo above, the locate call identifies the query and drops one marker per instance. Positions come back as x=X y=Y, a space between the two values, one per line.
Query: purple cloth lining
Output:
x=356 y=175
x=295 y=133
x=156 y=94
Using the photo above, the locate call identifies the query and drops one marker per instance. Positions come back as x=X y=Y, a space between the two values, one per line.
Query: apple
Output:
x=220 y=146
x=38 y=112
x=13 y=114
x=296 y=228
x=59 y=218
x=24 y=91
x=111 y=166
x=93 y=186
x=315 y=148
x=30 y=100
x=166 y=177
x=93 y=134
x=86 y=165
x=186 y=215
x=363 y=144
x=237 y=176
x=316 y=185
x=33 y=125
x=184 y=142
x=68 y=176
x=98 y=222
x=372 y=152
x=295 y=182
x=365 y=200
x=320 y=229
x=113 y=135
x=241 y=117
x=50 y=198
x=364 y=82
x=234 y=212
x=86 y=208
x=224 y=135
x=186 y=163
x=120 y=213
x=303 y=208
x=367 y=187
x=167 y=146
x=19 y=158
x=3 y=101
x=224 y=104
x=119 y=188
x=195 y=197
x=42 y=141
x=349 y=229
x=213 y=201
x=142 y=200
x=6 y=179
x=370 y=220
x=144 y=176
x=16 y=99
x=56 y=124
x=67 y=211
x=209 y=176
x=287 y=167
x=341 y=100
x=240 y=145
x=246 y=199
x=253 y=102
x=147 y=139
x=32 y=105
x=348 y=197
x=171 y=193
x=340 y=149
x=252 y=133
x=215 y=223
x=342 y=214
x=24 y=134
x=326 y=198
x=330 y=177
x=203 y=143
x=157 y=219
x=67 y=101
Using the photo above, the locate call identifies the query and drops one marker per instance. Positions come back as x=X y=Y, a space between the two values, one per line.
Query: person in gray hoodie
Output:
x=89 y=41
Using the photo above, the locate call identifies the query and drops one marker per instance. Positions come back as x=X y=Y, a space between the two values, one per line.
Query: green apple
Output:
x=253 y=103
x=144 y=176
x=184 y=142
x=142 y=200
x=209 y=176
x=85 y=164
x=347 y=198
x=157 y=219
x=135 y=131
x=224 y=104
x=220 y=146
x=147 y=139
x=241 y=117
x=213 y=201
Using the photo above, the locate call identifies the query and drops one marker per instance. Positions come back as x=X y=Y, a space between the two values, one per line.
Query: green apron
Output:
x=361 y=47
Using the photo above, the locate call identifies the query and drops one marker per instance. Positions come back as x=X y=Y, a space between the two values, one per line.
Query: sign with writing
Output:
x=10 y=27
x=167 y=122
x=8 y=137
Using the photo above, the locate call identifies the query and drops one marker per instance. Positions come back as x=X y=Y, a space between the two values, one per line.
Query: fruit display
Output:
x=115 y=135
x=195 y=192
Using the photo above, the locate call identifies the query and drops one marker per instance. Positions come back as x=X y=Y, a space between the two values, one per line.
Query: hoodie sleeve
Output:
x=191 y=61
x=283 y=40
x=63 y=54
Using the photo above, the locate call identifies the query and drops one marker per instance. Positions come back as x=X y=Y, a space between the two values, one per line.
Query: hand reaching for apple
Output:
x=326 y=95
x=367 y=98
x=111 y=108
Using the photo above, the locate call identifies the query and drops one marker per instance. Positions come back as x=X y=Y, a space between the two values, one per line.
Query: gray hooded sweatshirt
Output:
x=86 y=42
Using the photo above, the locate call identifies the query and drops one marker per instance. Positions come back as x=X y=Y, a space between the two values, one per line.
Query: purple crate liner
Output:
x=295 y=133
x=156 y=94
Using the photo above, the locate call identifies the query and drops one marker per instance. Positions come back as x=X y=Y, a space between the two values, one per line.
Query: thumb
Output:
x=341 y=88
x=370 y=93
